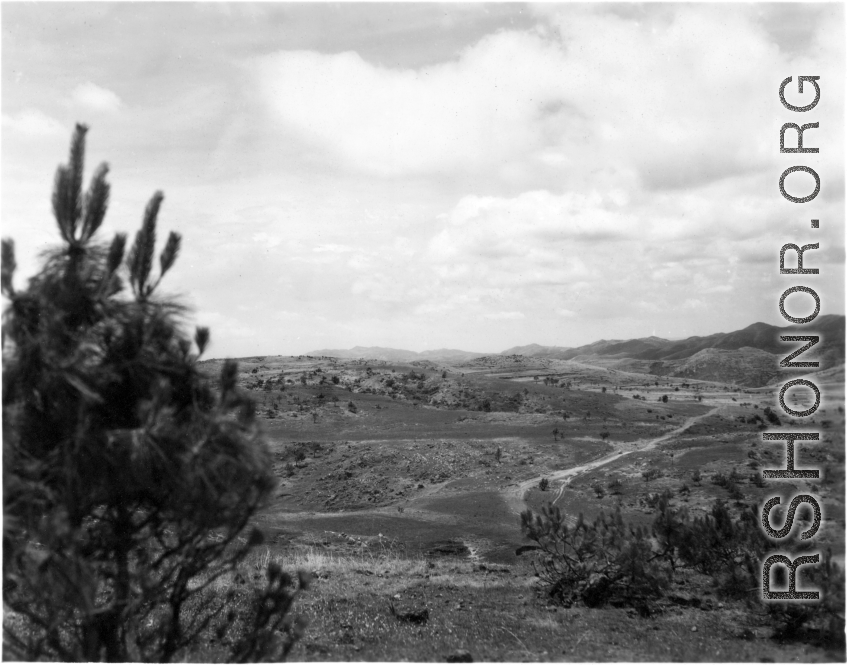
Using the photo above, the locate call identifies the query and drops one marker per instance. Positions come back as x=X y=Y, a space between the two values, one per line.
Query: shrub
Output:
x=128 y=484
x=735 y=492
x=728 y=549
x=544 y=484
x=772 y=417
x=758 y=480
x=651 y=474
x=595 y=563
x=719 y=479
x=792 y=619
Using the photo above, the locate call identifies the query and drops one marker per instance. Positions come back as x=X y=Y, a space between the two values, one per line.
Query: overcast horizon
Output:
x=421 y=176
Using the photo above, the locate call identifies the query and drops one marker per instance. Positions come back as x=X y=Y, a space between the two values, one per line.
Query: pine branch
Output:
x=8 y=268
x=116 y=252
x=201 y=338
x=61 y=198
x=169 y=254
x=95 y=204
x=141 y=256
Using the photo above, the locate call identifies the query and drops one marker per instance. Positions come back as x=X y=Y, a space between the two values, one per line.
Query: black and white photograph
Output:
x=423 y=332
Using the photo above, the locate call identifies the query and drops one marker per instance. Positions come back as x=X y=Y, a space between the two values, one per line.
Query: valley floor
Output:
x=401 y=487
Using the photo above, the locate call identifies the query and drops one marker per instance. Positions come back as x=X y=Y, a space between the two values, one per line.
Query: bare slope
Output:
x=747 y=357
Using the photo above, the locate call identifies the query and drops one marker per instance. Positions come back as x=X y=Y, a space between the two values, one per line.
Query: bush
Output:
x=772 y=417
x=820 y=621
x=128 y=483
x=609 y=562
x=595 y=563
x=544 y=484
x=651 y=474
x=728 y=549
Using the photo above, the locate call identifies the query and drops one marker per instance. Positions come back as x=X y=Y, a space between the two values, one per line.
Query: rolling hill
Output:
x=748 y=357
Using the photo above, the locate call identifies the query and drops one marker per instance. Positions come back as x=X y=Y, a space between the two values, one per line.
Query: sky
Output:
x=422 y=176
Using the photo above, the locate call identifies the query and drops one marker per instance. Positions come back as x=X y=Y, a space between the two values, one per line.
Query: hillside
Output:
x=760 y=336
x=400 y=485
x=748 y=357
x=397 y=355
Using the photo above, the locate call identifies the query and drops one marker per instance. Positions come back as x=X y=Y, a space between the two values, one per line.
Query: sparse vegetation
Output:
x=594 y=562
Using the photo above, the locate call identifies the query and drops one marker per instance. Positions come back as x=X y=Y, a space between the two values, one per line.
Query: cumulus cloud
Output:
x=663 y=100
x=396 y=122
x=93 y=97
x=611 y=166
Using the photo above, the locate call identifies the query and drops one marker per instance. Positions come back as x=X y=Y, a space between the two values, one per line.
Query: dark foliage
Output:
x=794 y=620
x=128 y=481
x=609 y=562
x=594 y=562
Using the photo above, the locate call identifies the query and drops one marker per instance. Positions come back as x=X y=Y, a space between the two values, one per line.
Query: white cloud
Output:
x=32 y=122
x=394 y=122
x=594 y=174
x=601 y=101
x=505 y=316
x=94 y=98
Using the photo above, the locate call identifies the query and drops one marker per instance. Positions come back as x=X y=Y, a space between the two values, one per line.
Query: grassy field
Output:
x=401 y=487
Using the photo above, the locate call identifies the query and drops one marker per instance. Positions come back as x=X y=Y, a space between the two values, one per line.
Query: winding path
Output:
x=515 y=495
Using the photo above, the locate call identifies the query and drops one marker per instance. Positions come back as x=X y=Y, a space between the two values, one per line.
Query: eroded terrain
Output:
x=433 y=463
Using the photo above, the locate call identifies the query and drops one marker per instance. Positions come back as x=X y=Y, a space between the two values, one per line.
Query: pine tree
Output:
x=129 y=483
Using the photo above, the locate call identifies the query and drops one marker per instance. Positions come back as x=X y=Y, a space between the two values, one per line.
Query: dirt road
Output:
x=515 y=495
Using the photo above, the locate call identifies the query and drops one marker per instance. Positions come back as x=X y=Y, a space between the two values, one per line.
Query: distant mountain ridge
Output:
x=397 y=355
x=761 y=336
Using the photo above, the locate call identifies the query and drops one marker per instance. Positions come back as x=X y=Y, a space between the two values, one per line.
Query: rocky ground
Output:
x=420 y=471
